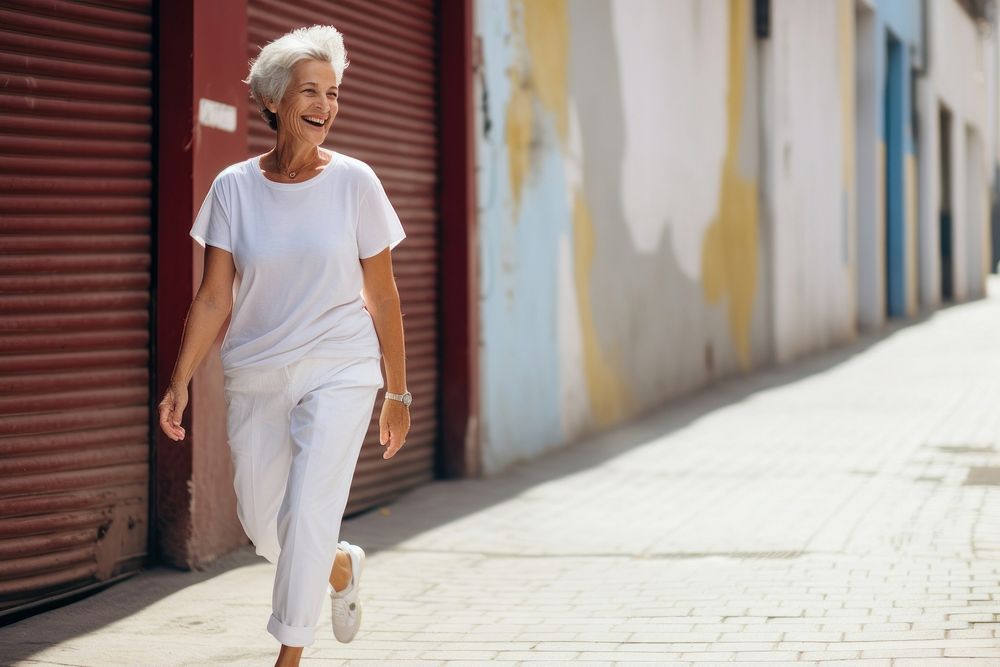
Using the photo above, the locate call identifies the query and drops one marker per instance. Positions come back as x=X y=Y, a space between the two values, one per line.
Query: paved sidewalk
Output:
x=842 y=509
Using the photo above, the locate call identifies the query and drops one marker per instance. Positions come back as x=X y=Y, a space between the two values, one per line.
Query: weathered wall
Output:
x=619 y=225
x=809 y=140
x=960 y=60
x=665 y=198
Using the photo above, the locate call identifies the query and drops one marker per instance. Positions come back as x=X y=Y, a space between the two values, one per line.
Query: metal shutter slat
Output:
x=74 y=294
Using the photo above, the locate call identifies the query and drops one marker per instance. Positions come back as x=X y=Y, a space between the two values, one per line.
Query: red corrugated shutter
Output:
x=75 y=176
x=387 y=118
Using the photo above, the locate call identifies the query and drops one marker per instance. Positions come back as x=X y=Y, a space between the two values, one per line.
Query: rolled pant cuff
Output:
x=290 y=635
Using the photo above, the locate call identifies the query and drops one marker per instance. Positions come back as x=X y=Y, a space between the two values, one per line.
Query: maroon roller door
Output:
x=387 y=118
x=75 y=174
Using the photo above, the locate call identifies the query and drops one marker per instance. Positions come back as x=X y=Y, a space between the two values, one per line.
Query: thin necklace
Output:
x=293 y=174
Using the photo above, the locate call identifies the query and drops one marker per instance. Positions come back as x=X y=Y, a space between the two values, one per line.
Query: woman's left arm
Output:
x=382 y=301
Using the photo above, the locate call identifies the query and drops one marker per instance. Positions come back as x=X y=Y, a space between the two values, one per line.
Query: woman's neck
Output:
x=293 y=157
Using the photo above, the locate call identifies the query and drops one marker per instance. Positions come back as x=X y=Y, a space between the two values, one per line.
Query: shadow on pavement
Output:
x=20 y=640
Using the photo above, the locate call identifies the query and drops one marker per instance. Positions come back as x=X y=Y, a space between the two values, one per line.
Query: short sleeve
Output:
x=378 y=225
x=211 y=225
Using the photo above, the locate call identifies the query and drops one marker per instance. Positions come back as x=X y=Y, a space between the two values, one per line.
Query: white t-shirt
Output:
x=296 y=247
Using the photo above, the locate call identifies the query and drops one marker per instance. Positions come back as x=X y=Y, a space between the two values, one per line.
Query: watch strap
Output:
x=399 y=397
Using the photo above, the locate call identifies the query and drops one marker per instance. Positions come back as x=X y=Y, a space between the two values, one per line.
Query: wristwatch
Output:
x=405 y=399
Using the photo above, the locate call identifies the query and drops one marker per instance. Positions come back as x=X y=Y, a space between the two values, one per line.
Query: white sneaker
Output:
x=345 y=603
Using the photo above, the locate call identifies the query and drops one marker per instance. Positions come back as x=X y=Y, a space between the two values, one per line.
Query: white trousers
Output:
x=295 y=434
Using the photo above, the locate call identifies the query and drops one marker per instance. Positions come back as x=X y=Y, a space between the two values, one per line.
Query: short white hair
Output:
x=271 y=70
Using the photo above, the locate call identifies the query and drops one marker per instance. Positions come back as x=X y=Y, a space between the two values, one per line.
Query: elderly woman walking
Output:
x=297 y=246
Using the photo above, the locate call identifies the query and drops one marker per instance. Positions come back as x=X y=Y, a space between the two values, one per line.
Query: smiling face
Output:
x=309 y=106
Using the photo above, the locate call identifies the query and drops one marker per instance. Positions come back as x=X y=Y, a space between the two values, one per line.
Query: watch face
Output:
x=407 y=399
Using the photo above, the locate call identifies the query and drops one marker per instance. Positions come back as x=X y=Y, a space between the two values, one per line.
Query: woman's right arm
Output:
x=209 y=310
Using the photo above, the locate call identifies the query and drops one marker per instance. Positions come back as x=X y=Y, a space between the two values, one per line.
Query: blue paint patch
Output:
x=519 y=359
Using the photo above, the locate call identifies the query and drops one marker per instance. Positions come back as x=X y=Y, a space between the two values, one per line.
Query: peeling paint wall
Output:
x=666 y=199
x=617 y=165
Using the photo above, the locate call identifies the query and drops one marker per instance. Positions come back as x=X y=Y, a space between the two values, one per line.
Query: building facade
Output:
x=671 y=192
x=608 y=204
x=117 y=117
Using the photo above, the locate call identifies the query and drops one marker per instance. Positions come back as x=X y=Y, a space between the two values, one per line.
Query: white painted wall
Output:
x=812 y=225
x=674 y=83
x=957 y=79
x=976 y=196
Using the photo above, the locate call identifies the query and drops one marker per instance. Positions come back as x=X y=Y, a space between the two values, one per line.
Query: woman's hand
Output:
x=172 y=406
x=393 y=425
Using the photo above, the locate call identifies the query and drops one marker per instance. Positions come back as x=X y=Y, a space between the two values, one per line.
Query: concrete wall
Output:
x=665 y=198
x=809 y=136
x=618 y=215
x=960 y=62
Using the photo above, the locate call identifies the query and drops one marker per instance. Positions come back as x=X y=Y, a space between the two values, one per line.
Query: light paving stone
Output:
x=889 y=627
x=448 y=654
x=709 y=656
x=590 y=657
x=943 y=662
x=531 y=655
x=765 y=656
x=972 y=633
x=827 y=655
x=971 y=652
x=908 y=644
x=672 y=647
x=607 y=636
x=715 y=628
x=940 y=625
x=480 y=646
x=574 y=646
x=800 y=646
x=743 y=646
x=677 y=636
x=903 y=653
x=893 y=636
x=972 y=618
x=752 y=636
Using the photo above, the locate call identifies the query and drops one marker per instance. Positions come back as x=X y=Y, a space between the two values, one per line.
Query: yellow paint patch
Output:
x=538 y=73
x=729 y=252
x=609 y=395
x=539 y=81
x=518 y=137
x=912 y=267
x=546 y=33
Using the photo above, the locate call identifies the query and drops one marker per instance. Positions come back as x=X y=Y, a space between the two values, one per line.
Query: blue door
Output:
x=894 y=196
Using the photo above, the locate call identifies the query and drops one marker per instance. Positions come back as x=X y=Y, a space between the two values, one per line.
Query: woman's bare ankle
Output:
x=289 y=656
x=340 y=575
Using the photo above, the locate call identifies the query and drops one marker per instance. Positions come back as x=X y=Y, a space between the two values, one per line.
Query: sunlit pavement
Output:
x=844 y=508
